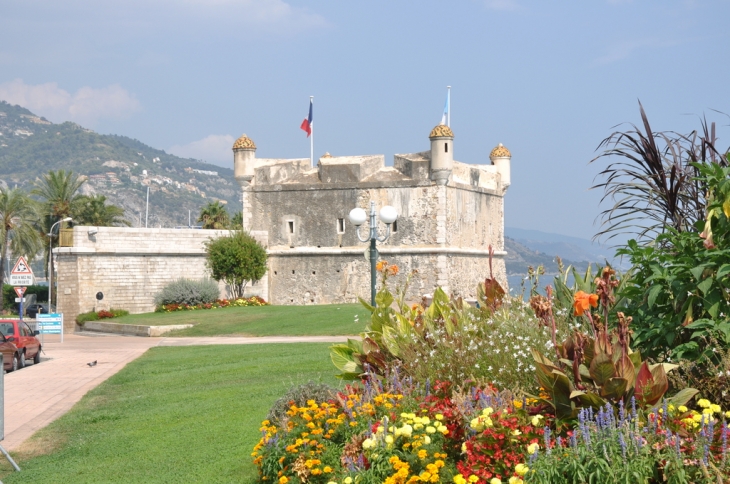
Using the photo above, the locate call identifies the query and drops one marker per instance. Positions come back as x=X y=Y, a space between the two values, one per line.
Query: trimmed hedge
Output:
x=9 y=295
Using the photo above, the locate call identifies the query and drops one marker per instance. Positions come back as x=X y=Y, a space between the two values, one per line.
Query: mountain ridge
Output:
x=118 y=167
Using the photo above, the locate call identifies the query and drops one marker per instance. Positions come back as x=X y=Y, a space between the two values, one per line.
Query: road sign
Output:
x=19 y=299
x=20 y=291
x=22 y=274
x=50 y=324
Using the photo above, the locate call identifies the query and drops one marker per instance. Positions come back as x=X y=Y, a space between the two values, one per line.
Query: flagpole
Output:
x=448 y=113
x=311 y=138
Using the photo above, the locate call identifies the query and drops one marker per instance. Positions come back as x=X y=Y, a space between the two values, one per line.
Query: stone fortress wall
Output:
x=129 y=266
x=449 y=215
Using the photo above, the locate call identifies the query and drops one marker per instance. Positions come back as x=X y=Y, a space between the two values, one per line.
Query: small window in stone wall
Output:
x=446 y=147
x=394 y=227
x=290 y=225
x=340 y=225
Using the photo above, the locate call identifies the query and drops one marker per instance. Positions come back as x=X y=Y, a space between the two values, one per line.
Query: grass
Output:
x=173 y=415
x=321 y=320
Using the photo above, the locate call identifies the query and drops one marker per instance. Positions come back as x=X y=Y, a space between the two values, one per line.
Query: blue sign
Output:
x=50 y=323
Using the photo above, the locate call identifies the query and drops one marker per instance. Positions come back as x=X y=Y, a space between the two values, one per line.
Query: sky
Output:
x=549 y=80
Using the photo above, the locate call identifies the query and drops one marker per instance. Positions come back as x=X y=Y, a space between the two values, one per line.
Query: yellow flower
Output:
x=422 y=454
x=494 y=480
x=682 y=408
x=521 y=469
x=473 y=478
x=515 y=480
x=727 y=414
x=348 y=480
x=703 y=402
x=430 y=430
x=283 y=480
x=459 y=479
x=439 y=416
x=532 y=448
x=536 y=420
x=715 y=408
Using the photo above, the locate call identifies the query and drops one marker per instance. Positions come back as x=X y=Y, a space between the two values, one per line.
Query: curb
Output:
x=131 y=329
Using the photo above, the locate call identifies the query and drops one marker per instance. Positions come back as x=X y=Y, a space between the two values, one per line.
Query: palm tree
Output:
x=18 y=212
x=58 y=191
x=214 y=216
x=93 y=210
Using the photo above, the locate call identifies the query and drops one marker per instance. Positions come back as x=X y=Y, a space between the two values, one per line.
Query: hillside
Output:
x=118 y=167
x=520 y=257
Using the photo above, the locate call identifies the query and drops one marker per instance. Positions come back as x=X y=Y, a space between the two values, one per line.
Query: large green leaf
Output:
x=601 y=368
x=614 y=388
x=683 y=396
x=652 y=295
x=723 y=271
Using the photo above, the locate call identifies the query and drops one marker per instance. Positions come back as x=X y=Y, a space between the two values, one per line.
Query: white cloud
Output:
x=215 y=148
x=86 y=106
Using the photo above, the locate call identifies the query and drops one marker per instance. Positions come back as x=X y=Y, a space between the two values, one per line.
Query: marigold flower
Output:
x=381 y=265
x=703 y=402
x=582 y=302
x=533 y=447
x=494 y=480
x=521 y=469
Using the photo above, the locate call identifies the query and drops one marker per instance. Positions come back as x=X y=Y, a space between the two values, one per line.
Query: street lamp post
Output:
x=50 y=260
x=358 y=216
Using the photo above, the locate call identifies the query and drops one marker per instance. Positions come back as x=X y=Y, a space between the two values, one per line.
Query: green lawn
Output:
x=322 y=320
x=173 y=415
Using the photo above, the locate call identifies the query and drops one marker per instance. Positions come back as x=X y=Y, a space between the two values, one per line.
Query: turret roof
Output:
x=441 y=131
x=244 y=142
x=500 y=151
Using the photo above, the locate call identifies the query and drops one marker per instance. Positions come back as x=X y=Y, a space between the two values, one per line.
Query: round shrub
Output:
x=188 y=291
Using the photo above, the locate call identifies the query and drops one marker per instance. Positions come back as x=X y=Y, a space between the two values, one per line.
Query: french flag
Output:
x=307 y=123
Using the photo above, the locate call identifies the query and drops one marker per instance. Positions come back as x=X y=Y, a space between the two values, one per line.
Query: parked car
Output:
x=32 y=310
x=24 y=339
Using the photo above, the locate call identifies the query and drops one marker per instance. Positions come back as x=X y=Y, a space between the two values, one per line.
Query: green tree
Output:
x=60 y=197
x=59 y=191
x=18 y=214
x=94 y=210
x=236 y=259
x=237 y=221
x=214 y=216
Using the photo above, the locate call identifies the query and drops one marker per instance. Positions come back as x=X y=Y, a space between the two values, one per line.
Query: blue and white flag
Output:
x=446 y=117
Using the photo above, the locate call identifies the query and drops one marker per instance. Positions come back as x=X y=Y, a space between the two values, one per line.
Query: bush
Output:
x=189 y=292
x=103 y=314
x=236 y=259
x=679 y=289
x=299 y=395
x=9 y=295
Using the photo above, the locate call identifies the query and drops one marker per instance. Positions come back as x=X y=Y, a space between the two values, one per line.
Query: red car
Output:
x=28 y=346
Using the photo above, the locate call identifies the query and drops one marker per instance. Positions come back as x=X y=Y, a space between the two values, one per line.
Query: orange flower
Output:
x=381 y=265
x=582 y=302
x=393 y=270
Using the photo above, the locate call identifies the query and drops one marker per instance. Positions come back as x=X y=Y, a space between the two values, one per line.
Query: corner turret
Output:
x=244 y=159
x=442 y=154
x=501 y=157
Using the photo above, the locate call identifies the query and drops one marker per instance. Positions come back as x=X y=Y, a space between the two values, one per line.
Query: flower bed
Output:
x=220 y=303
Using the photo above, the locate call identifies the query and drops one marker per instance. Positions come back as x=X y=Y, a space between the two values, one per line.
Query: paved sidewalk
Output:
x=38 y=394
